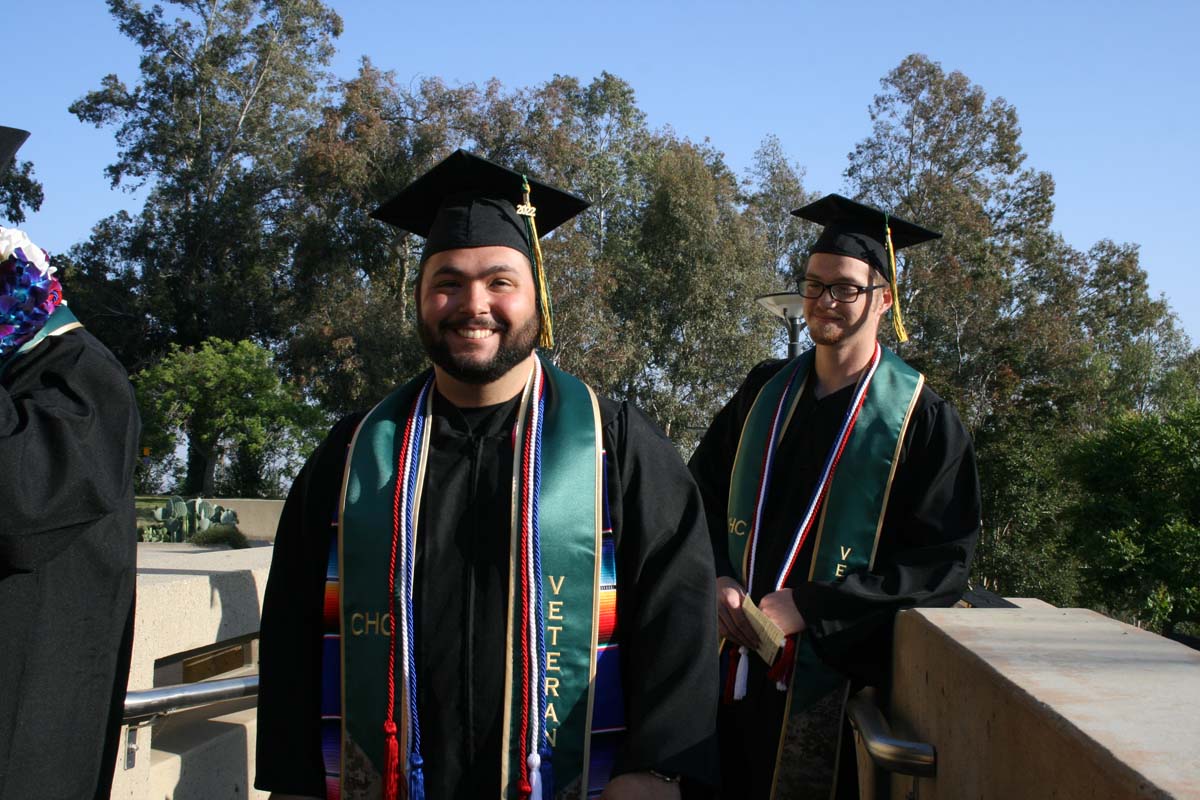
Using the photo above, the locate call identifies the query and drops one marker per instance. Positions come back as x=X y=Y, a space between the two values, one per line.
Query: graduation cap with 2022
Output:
x=11 y=140
x=468 y=201
x=861 y=231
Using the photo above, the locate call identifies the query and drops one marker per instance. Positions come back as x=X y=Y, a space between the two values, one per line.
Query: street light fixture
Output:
x=789 y=307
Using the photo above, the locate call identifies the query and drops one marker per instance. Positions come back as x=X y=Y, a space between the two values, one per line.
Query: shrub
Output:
x=221 y=534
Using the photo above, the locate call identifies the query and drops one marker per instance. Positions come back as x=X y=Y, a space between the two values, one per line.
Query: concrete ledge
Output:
x=190 y=597
x=1044 y=702
x=206 y=753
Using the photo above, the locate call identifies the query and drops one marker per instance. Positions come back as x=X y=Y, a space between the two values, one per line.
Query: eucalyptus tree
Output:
x=225 y=88
x=19 y=191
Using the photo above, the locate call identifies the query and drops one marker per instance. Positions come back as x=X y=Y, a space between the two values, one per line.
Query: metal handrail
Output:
x=142 y=705
x=888 y=752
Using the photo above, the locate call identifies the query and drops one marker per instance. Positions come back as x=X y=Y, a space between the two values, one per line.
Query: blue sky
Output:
x=1106 y=92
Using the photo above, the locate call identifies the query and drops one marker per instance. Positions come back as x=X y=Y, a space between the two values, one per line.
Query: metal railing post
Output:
x=888 y=752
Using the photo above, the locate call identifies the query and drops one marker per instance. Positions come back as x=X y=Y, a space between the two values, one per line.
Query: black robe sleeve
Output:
x=666 y=604
x=68 y=439
x=288 y=748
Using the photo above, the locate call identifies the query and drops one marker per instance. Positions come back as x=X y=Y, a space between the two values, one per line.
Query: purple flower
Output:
x=27 y=299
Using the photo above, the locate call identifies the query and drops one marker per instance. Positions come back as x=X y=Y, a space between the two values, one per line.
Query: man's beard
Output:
x=515 y=346
x=828 y=332
x=819 y=335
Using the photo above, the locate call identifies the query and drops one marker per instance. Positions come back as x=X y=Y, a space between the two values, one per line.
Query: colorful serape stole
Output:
x=331 y=674
x=608 y=715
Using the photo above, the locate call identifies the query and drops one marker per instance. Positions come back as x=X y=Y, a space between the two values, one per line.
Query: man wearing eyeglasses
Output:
x=839 y=489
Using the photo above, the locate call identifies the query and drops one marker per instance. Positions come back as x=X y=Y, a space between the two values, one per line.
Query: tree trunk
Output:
x=201 y=468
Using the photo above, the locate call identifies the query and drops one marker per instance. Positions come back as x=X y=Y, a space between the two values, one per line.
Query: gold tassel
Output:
x=897 y=319
x=526 y=209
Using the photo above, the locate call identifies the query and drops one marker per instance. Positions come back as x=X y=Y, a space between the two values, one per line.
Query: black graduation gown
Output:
x=665 y=605
x=930 y=529
x=68 y=542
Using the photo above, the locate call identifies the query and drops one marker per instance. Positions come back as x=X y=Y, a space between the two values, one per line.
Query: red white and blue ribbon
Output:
x=764 y=481
x=535 y=747
x=831 y=462
x=404 y=527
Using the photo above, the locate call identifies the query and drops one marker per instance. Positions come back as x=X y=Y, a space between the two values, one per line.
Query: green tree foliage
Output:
x=599 y=145
x=104 y=290
x=224 y=90
x=1135 y=342
x=352 y=319
x=686 y=299
x=242 y=420
x=778 y=190
x=941 y=152
x=1180 y=384
x=1138 y=516
x=19 y=191
x=1033 y=341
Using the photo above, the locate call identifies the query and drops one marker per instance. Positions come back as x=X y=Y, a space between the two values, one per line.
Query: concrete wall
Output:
x=1041 y=702
x=206 y=754
x=257 y=519
x=187 y=599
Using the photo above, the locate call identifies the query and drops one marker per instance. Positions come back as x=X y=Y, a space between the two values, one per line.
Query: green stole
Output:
x=570 y=525
x=60 y=321
x=853 y=509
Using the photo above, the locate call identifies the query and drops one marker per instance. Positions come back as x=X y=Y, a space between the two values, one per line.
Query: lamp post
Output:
x=788 y=306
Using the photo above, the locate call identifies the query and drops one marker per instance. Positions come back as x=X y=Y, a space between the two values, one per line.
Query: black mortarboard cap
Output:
x=468 y=201
x=11 y=140
x=860 y=231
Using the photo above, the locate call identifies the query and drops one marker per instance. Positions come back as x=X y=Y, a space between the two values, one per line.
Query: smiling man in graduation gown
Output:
x=839 y=489
x=494 y=584
x=68 y=446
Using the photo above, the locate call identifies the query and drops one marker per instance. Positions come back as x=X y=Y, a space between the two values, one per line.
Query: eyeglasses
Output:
x=841 y=292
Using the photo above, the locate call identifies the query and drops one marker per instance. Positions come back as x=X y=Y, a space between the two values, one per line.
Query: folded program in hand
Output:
x=770 y=635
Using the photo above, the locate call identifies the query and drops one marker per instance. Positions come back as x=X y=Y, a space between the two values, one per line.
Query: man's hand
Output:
x=640 y=786
x=731 y=620
x=780 y=608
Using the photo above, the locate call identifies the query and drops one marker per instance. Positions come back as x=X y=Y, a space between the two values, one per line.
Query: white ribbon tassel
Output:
x=743 y=673
x=534 y=762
